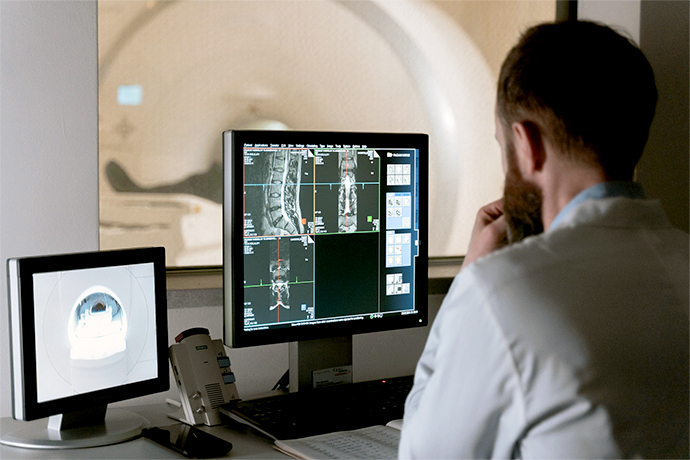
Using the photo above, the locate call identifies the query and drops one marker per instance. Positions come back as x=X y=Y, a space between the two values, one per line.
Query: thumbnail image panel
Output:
x=279 y=188
x=399 y=290
x=399 y=167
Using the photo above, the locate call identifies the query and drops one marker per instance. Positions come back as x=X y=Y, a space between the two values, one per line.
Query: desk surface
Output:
x=247 y=444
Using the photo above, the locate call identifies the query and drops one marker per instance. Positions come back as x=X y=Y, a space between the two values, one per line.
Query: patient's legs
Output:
x=207 y=185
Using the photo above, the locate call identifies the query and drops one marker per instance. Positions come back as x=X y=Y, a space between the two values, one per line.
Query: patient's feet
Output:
x=119 y=179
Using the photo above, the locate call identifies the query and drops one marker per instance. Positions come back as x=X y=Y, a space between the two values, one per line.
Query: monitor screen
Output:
x=87 y=329
x=325 y=234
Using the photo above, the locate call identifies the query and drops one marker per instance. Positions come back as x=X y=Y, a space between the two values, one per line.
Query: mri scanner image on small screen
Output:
x=95 y=329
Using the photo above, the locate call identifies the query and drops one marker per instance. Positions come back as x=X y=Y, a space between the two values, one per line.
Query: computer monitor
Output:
x=325 y=236
x=86 y=330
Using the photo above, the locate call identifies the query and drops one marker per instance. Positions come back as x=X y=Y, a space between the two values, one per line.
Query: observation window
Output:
x=173 y=75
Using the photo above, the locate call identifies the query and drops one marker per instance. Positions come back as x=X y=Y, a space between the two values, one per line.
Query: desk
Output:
x=247 y=444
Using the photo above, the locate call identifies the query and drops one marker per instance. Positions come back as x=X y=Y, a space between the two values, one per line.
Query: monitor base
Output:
x=118 y=426
x=309 y=357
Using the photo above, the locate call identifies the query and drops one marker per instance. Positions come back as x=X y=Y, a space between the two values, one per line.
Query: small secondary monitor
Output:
x=86 y=329
x=325 y=234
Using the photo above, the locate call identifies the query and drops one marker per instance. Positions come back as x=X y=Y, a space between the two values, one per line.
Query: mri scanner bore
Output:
x=97 y=331
x=94 y=329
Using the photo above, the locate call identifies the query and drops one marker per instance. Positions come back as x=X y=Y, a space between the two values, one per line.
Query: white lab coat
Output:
x=571 y=344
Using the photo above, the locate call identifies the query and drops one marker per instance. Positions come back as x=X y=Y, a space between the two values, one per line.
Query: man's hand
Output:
x=489 y=233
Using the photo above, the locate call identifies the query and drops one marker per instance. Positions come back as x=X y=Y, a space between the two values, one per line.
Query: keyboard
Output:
x=324 y=410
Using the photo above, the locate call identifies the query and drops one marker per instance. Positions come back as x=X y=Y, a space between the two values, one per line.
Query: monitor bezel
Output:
x=234 y=334
x=25 y=405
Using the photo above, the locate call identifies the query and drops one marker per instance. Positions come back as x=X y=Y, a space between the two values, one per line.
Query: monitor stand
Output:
x=321 y=362
x=88 y=428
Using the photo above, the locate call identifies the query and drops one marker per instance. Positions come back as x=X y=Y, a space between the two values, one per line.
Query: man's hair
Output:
x=586 y=87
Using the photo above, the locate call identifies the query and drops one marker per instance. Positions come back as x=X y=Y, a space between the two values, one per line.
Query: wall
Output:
x=623 y=16
x=661 y=30
x=663 y=170
x=48 y=138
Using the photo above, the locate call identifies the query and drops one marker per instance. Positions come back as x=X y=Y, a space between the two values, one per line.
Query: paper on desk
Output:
x=397 y=424
x=375 y=442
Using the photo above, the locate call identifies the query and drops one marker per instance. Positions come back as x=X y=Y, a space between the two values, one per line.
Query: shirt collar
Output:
x=601 y=190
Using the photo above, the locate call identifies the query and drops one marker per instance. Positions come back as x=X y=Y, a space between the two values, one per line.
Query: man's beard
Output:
x=522 y=202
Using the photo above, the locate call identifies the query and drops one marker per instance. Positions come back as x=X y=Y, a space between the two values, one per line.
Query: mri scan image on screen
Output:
x=95 y=329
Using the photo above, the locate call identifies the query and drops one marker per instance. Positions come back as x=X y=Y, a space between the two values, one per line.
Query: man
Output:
x=572 y=340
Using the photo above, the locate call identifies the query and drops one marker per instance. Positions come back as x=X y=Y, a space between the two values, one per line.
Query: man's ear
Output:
x=529 y=147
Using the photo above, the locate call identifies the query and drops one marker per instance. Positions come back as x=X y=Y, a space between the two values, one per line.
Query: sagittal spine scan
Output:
x=279 y=268
x=347 y=193
x=282 y=211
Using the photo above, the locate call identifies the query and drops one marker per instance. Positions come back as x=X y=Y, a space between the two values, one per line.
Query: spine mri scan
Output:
x=347 y=193
x=297 y=193
x=282 y=216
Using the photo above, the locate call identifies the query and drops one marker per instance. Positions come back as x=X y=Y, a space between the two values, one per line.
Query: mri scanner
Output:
x=205 y=67
x=97 y=332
